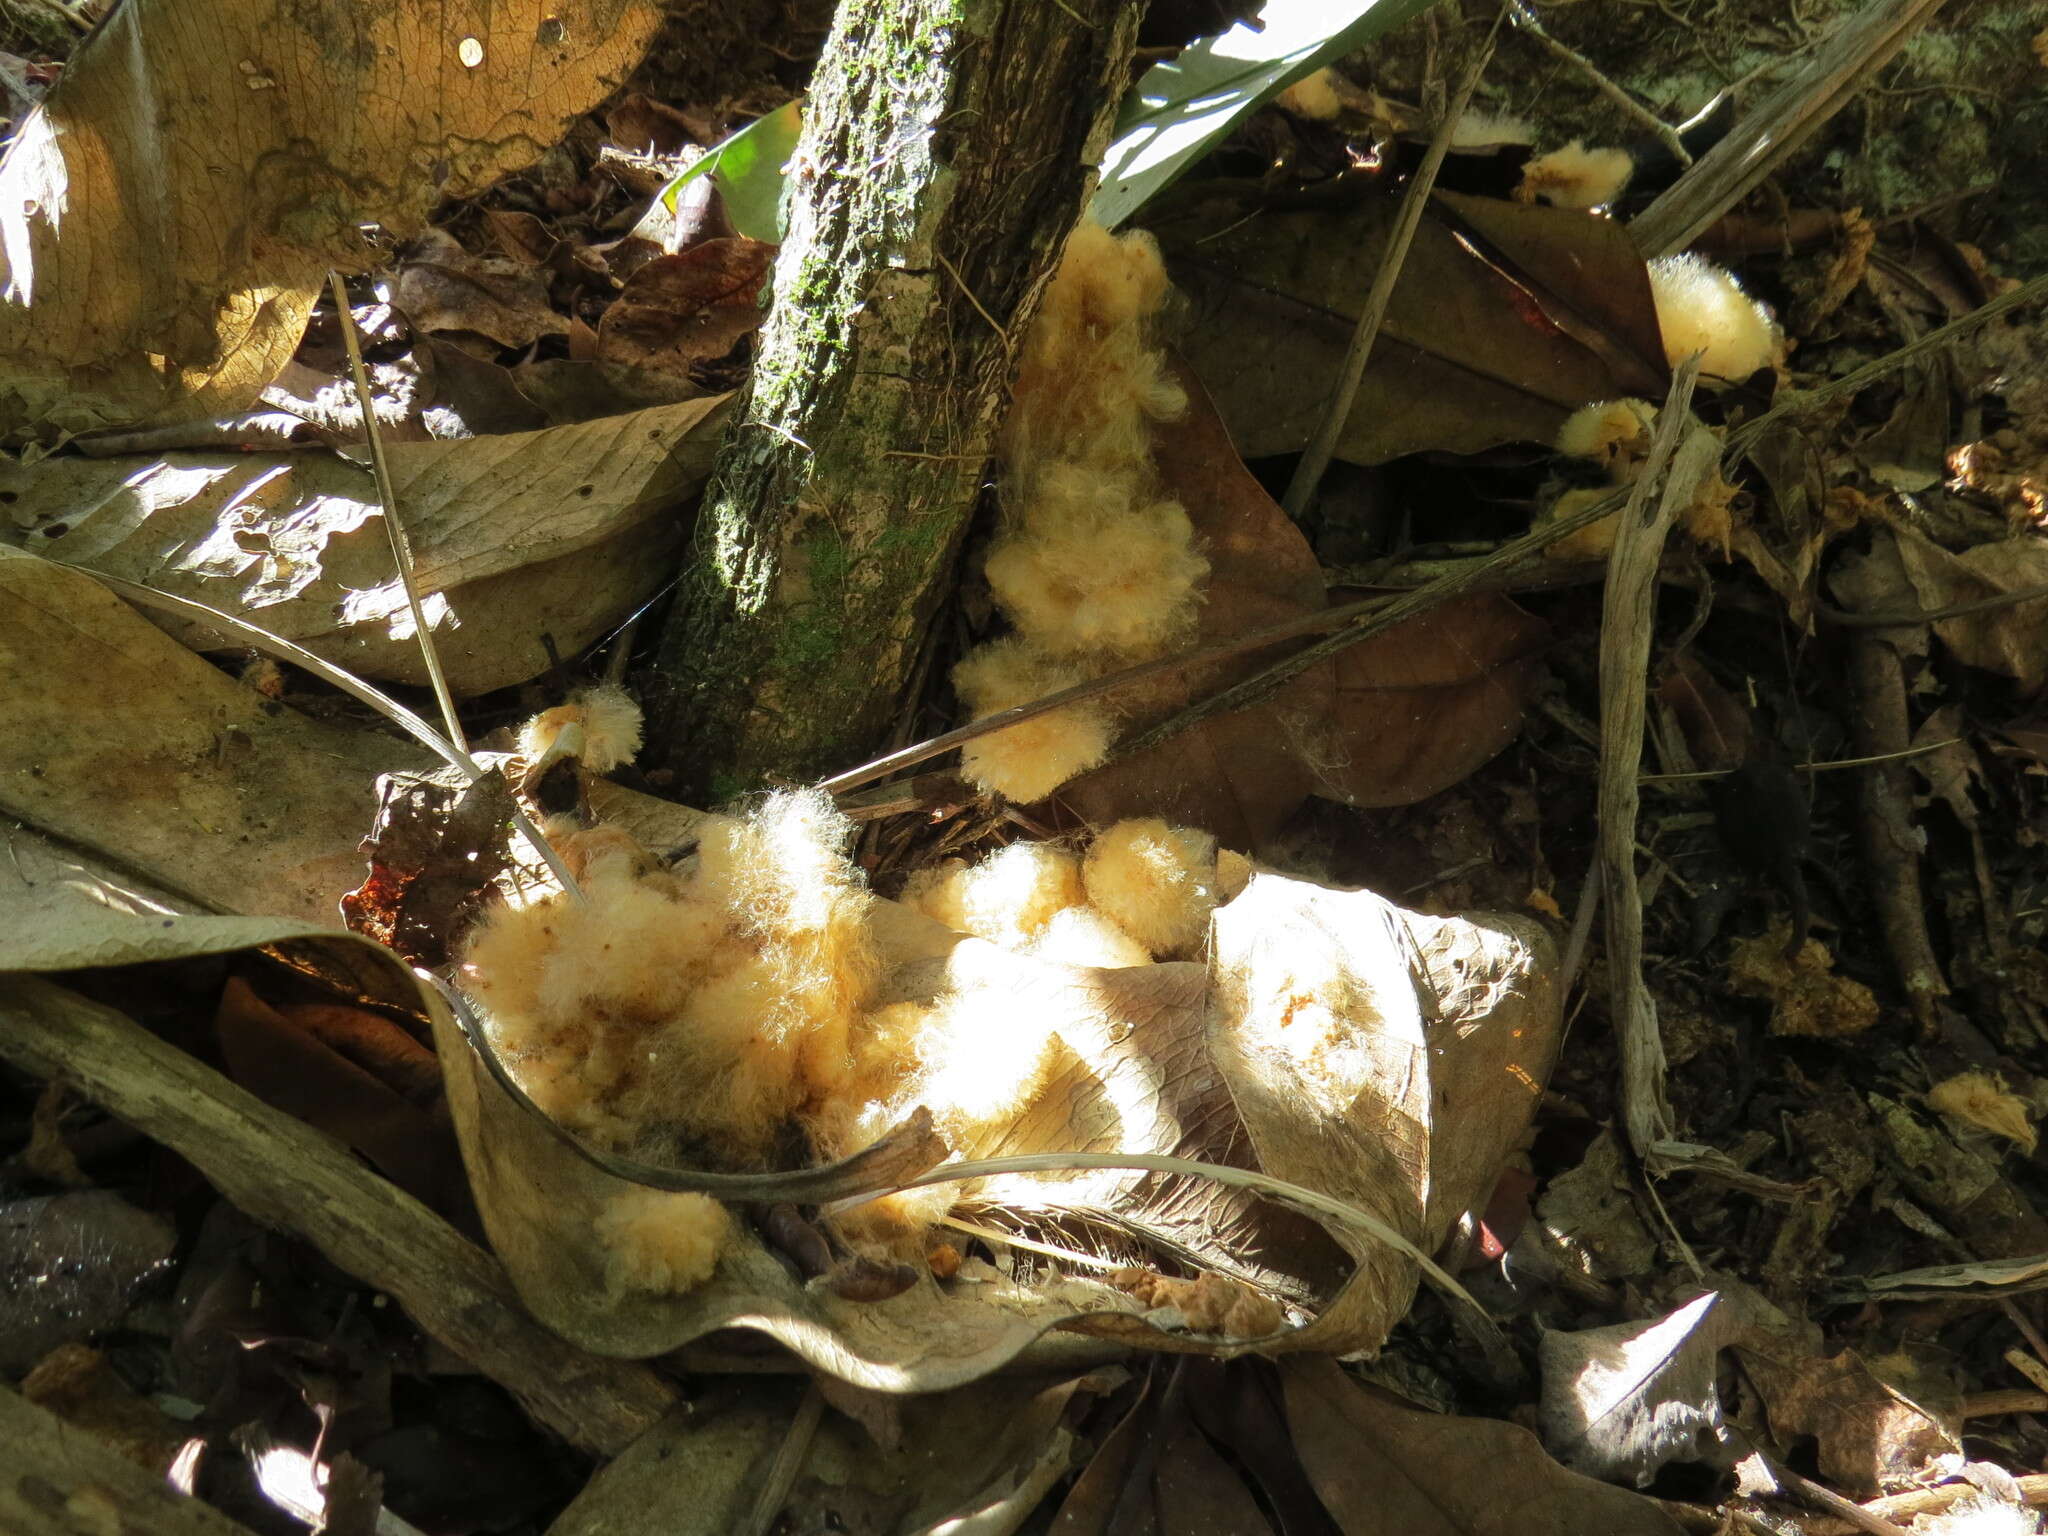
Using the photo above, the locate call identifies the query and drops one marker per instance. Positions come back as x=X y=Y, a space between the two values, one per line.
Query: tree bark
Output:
x=947 y=149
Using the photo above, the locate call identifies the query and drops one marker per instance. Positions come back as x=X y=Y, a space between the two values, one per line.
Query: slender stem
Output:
x=401 y=548
x=1526 y=20
x=285 y=650
x=1308 y=474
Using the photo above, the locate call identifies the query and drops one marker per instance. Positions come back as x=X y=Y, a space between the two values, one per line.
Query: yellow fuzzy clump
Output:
x=712 y=1007
x=1083 y=936
x=1031 y=759
x=659 y=1241
x=1576 y=177
x=1094 y=567
x=1007 y=898
x=1311 y=97
x=1027 y=897
x=1478 y=128
x=1097 y=568
x=1608 y=432
x=610 y=722
x=1982 y=1099
x=1701 y=308
x=1157 y=883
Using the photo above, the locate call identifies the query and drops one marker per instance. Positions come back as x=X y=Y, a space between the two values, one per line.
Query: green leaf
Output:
x=1177 y=111
x=748 y=170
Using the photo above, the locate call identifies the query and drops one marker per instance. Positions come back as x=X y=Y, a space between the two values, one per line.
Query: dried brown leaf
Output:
x=1506 y=318
x=441 y=287
x=558 y=531
x=688 y=308
x=319 y=119
x=1381 y=1466
x=1387 y=722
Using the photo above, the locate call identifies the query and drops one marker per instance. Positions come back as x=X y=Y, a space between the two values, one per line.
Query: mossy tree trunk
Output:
x=947 y=149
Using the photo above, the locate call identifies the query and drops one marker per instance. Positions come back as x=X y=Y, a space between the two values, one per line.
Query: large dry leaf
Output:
x=1382 y=1467
x=1435 y=1035
x=1390 y=721
x=1431 y=701
x=1335 y=1021
x=168 y=213
x=562 y=531
x=119 y=740
x=1506 y=318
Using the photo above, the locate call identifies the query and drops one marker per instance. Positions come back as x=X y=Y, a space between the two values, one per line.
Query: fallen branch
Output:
x=280 y=1170
x=56 y=1478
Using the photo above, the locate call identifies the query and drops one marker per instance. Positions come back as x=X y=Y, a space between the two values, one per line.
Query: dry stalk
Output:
x=1308 y=474
x=1789 y=116
x=1625 y=634
x=401 y=547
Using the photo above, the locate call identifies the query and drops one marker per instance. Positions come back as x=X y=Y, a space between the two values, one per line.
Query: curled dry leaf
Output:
x=1381 y=1057
x=1621 y=1402
x=557 y=531
x=441 y=287
x=691 y=307
x=1506 y=318
x=320 y=119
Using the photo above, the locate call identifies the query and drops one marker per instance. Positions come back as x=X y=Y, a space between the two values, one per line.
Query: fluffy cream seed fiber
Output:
x=611 y=724
x=1576 y=176
x=1156 y=882
x=1701 y=308
x=1094 y=568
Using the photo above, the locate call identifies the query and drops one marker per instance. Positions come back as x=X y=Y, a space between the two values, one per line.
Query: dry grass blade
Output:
x=401 y=547
x=1786 y=120
x=1625 y=634
x=789 y=1461
x=1308 y=473
x=284 y=650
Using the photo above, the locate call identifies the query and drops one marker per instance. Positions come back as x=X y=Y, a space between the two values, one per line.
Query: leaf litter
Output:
x=1885 y=1170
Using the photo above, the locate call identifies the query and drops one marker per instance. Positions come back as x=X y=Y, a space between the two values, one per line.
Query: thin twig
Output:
x=1796 y=402
x=1356 y=622
x=1526 y=20
x=789 y=1461
x=1308 y=474
x=401 y=547
x=993 y=324
x=261 y=639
